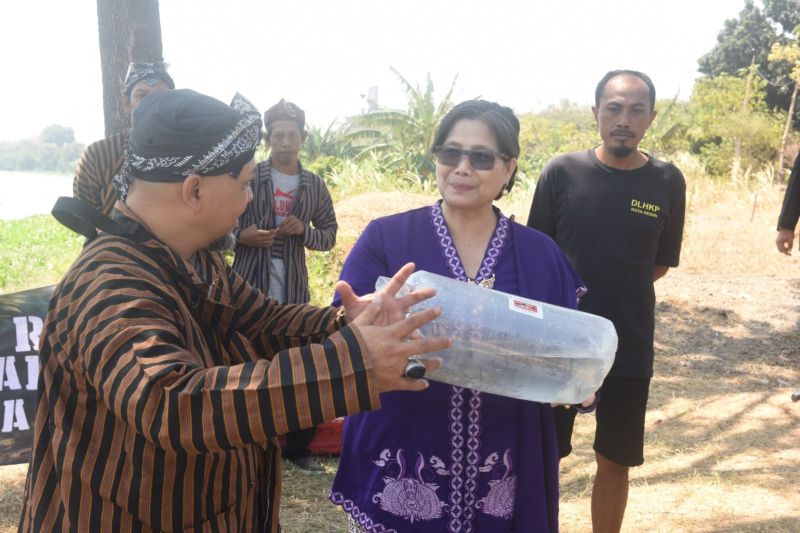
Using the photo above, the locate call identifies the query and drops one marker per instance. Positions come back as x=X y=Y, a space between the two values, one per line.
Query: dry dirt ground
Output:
x=723 y=436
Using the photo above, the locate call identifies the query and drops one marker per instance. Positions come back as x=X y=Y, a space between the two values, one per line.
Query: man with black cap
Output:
x=291 y=210
x=165 y=377
x=102 y=160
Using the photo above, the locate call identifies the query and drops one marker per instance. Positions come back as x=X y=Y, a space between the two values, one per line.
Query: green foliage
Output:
x=788 y=54
x=389 y=150
x=324 y=269
x=402 y=139
x=332 y=142
x=322 y=152
x=706 y=127
x=740 y=40
x=566 y=127
x=783 y=13
x=325 y=165
x=34 y=252
x=720 y=118
x=667 y=133
x=55 y=151
x=325 y=151
x=750 y=37
x=367 y=174
x=37 y=251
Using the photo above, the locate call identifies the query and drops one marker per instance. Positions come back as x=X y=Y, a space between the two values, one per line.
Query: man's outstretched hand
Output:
x=390 y=333
x=392 y=308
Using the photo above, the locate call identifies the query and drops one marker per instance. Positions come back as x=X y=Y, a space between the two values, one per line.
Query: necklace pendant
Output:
x=486 y=283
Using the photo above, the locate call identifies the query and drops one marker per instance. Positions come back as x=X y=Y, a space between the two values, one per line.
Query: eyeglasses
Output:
x=478 y=159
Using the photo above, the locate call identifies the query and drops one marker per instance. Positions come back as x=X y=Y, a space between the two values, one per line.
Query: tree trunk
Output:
x=779 y=173
x=130 y=30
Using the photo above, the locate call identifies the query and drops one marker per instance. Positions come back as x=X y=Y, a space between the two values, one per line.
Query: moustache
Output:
x=622 y=133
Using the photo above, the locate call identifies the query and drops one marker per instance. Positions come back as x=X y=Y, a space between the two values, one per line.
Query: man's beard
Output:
x=621 y=150
x=222 y=244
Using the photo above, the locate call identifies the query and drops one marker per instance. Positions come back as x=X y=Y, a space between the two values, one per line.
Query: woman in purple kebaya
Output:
x=451 y=459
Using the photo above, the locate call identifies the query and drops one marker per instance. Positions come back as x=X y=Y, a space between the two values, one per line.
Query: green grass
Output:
x=34 y=252
x=37 y=251
x=324 y=269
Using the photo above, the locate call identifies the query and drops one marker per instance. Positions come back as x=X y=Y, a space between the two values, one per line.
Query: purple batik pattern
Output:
x=499 y=501
x=359 y=517
x=495 y=246
x=473 y=458
x=409 y=495
x=464 y=467
x=456 y=459
x=450 y=253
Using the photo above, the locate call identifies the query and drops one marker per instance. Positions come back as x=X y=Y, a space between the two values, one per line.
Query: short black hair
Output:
x=598 y=92
x=501 y=120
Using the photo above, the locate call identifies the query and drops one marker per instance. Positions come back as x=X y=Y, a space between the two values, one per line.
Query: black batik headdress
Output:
x=175 y=134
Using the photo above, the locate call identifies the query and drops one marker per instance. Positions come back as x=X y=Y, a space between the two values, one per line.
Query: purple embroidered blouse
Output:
x=451 y=459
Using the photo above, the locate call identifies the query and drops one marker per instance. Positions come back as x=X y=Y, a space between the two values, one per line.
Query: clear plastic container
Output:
x=512 y=346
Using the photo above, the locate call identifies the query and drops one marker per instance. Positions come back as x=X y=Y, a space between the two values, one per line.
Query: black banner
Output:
x=21 y=318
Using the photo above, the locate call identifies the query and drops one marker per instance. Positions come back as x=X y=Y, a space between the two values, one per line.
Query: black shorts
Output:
x=619 y=435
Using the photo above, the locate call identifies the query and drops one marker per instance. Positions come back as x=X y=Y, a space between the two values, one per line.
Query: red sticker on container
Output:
x=526 y=307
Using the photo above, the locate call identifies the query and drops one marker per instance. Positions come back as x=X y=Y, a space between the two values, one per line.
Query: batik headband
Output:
x=150 y=73
x=179 y=133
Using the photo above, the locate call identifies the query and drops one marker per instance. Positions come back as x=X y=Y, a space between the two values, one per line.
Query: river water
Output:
x=23 y=194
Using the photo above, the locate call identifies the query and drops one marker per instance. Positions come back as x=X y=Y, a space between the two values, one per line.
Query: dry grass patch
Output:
x=12 y=487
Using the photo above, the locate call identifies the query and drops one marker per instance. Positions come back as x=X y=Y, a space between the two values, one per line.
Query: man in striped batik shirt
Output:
x=165 y=377
x=291 y=211
x=102 y=160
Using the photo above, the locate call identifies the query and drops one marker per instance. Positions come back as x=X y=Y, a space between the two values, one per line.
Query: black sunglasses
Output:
x=478 y=159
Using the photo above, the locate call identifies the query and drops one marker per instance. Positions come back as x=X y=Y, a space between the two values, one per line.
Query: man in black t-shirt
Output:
x=618 y=214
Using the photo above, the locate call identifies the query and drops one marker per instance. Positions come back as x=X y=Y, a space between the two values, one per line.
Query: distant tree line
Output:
x=54 y=150
x=725 y=130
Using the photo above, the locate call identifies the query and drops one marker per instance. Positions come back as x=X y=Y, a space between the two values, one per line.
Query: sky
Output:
x=325 y=55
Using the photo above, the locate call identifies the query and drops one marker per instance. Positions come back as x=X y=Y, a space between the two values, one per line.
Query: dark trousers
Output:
x=298 y=442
